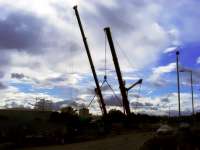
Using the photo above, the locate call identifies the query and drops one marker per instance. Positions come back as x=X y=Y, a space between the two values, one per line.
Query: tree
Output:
x=43 y=105
x=68 y=110
x=116 y=116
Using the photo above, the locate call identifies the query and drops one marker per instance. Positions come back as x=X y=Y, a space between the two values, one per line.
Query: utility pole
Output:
x=178 y=81
x=118 y=71
x=192 y=91
x=98 y=90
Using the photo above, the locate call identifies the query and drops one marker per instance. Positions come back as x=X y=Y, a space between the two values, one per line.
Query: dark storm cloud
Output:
x=57 y=79
x=113 y=101
x=134 y=95
x=2 y=86
x=1 y=74
x=137 y=104
x=17 y=75
x=165 y=100
x=138 y=3
x=106 y=87
x=20 y=30
x=25 y=31
x=148 y=104
x=143 y=105
x=65 y=103
x=73 y=47
x=91 y=91
x=117 y=17
x=3 y=63
x=4 y=60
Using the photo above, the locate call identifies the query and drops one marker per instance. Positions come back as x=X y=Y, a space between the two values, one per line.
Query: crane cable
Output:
x=127 y=58
x=124 y=54
x=130 y=64
x=105 y=58
x=94 y=97
x=105 y=77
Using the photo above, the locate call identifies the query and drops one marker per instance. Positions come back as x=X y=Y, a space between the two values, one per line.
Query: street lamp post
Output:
x=178 y=81
x=192 y=91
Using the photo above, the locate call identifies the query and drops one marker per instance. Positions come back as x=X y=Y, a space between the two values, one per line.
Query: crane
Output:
x=134 y=84
x=118 y=71
x=122 y=87
x=97 y=89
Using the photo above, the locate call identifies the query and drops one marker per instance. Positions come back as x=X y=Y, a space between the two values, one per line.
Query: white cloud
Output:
x=161 y=105
x=60 y=59
x=170 y=49
x=198 y=60
x=141 y=34
x=13 y=96
x=142 y=42
x=158 y=72
x=164 y=69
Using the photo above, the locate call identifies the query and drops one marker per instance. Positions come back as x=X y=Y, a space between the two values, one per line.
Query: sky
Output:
x=42 y=53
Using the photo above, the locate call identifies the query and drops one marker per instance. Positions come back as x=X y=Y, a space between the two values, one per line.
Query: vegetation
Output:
x=34 y=128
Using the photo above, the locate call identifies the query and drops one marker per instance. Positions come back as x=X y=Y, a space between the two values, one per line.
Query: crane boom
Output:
x=134 y=84
x=118 y=71
x=98 y=89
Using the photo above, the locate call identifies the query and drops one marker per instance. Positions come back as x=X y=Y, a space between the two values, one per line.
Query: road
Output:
x=130 y=141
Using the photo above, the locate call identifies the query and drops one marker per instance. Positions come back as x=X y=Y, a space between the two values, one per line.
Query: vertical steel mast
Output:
x=98 y=90
x=178 y=83
x=118 y=71
x=192 y=91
